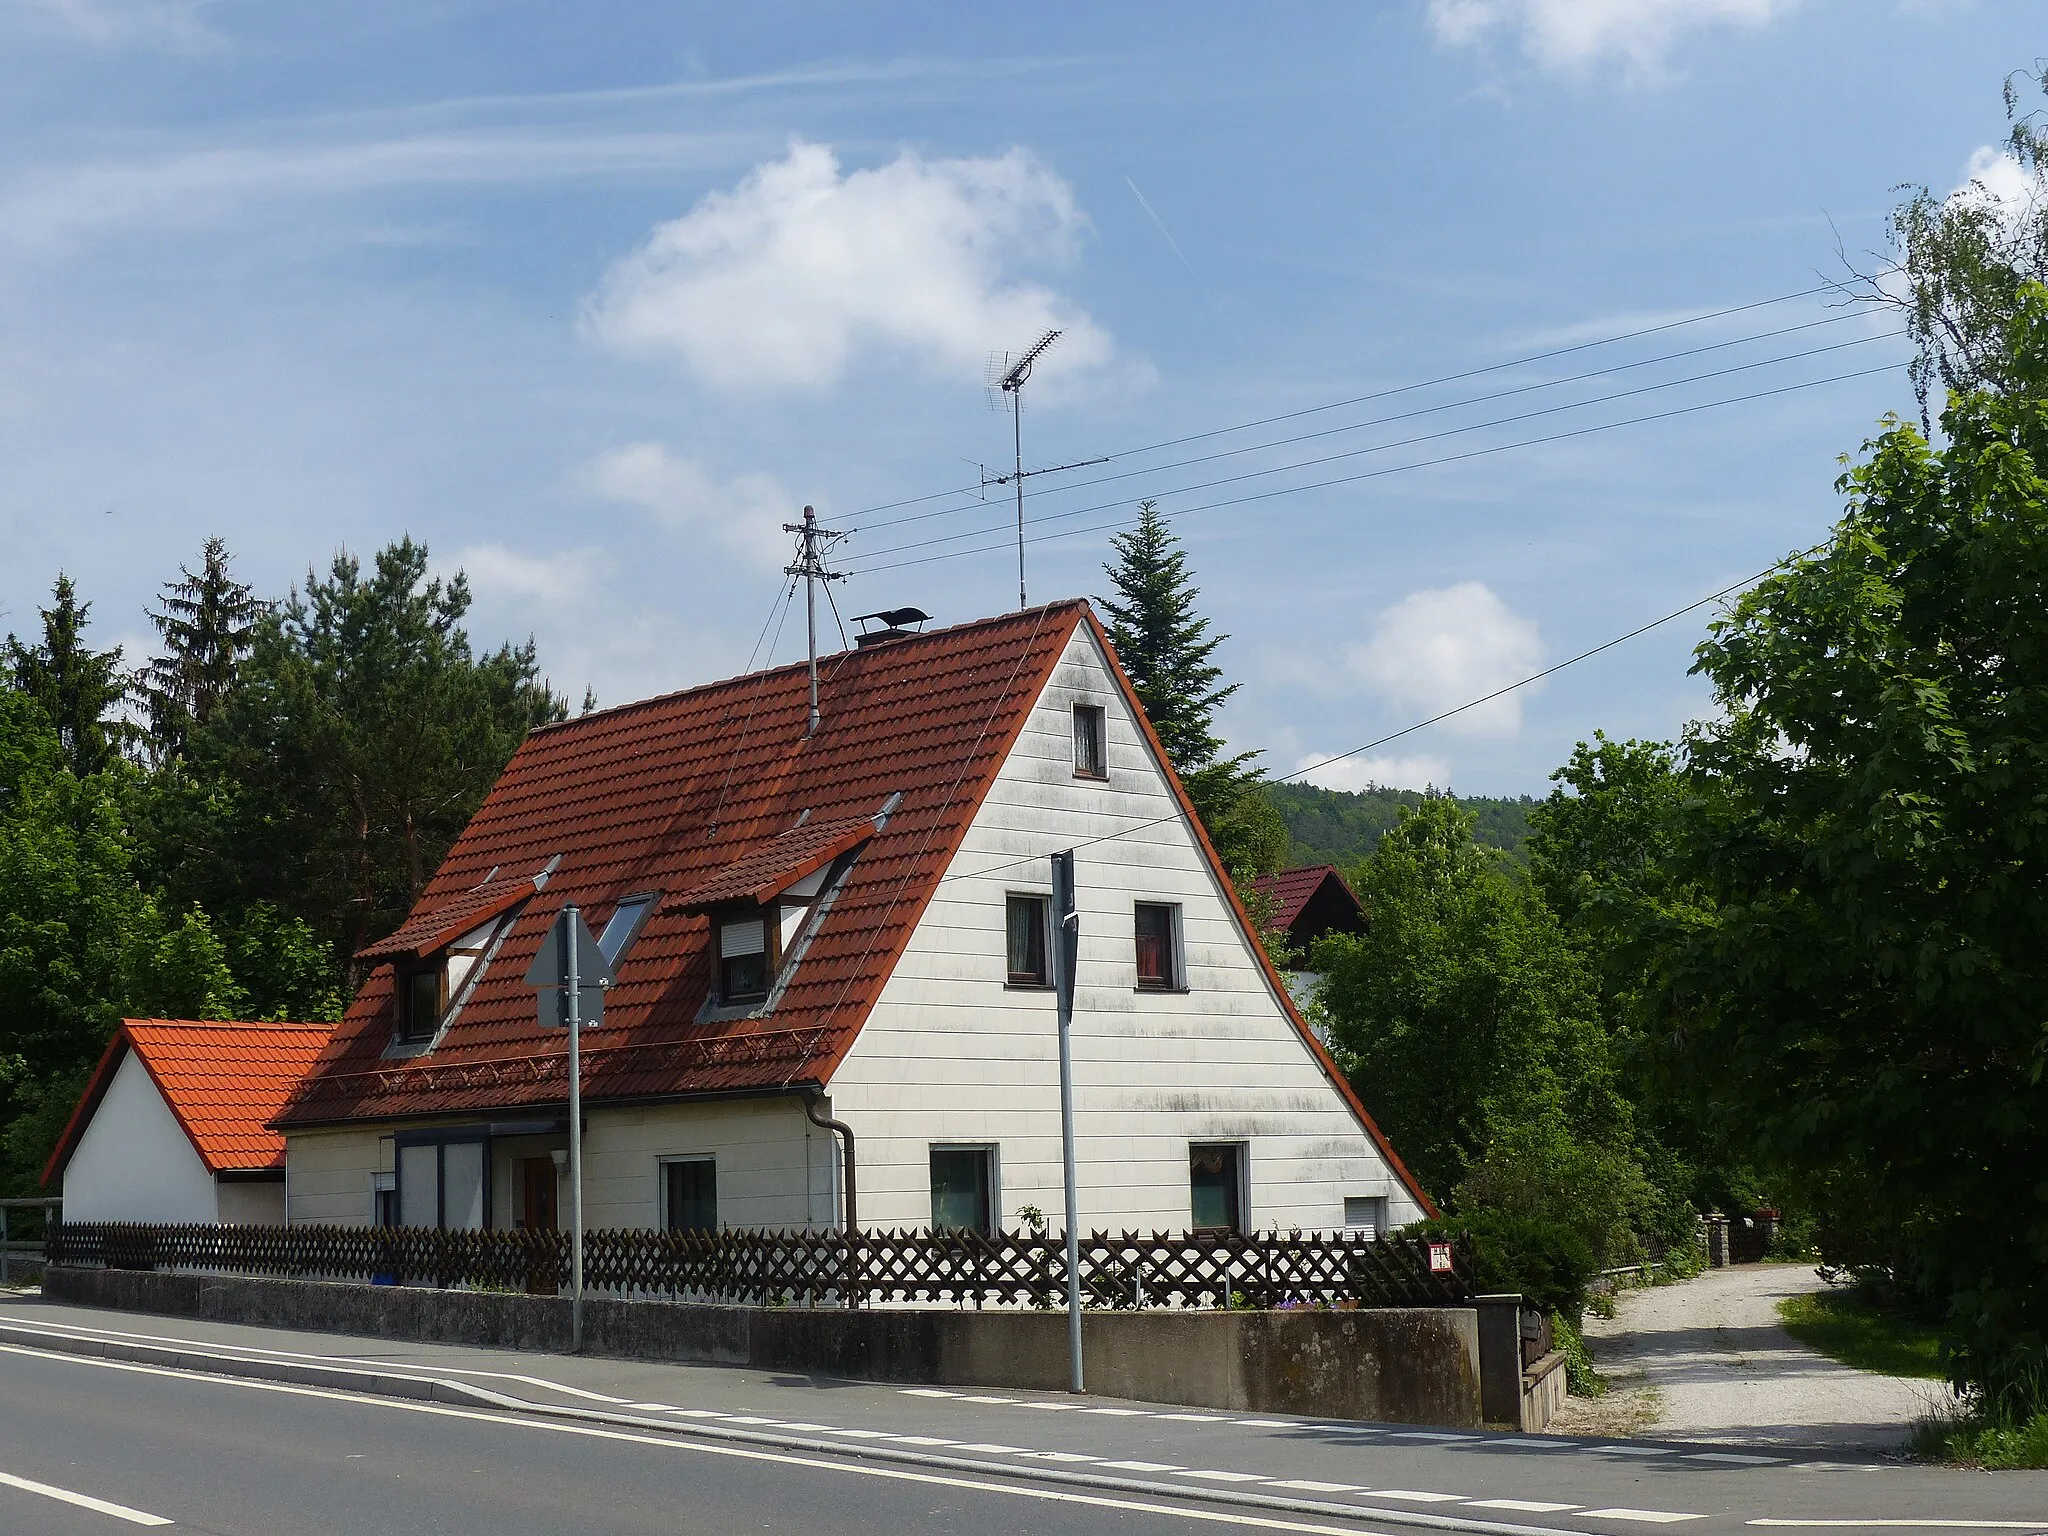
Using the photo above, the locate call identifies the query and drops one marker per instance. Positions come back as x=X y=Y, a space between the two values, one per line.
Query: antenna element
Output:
x=810 y=564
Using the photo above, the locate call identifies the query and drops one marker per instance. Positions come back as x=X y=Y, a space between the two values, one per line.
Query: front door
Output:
x=537 y=1194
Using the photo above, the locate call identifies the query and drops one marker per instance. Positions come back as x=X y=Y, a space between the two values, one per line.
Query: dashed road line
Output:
x=1526 y=1506
x=84 y=1501
x=1645 y=1516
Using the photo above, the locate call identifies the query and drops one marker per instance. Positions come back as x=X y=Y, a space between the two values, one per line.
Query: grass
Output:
x=1846 y=1325
x=1966 y=1439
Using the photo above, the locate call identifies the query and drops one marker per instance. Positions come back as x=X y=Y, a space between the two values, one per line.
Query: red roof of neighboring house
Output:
x=223 y=1083
x=697 y=795
x=1291 y=889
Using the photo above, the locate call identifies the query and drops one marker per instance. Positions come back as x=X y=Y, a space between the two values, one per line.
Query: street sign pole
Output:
x=1067 y=949
x=574 y=923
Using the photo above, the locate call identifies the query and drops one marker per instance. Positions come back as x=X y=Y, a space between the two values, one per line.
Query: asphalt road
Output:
x=217 y=1454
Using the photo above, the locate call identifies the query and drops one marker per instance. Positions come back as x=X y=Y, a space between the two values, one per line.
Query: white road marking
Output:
x=995 y=1450
x=865 y=1434
x=1309 y=1485
x=1645 y=1516
x=927 y=1392
x=1119 y=1413
x=1052 y=1407
x=1143 y=1466
x=1224 y=1477
x=1417 y=1495
x=746 y=1418
x=1632 y=1450
x=1266 y=1424
x=1733 y=1458
x=1059 y=1456
x=1005 y=1402
x=1913 y=1525
x=1263 y=1522
x=84 y=1501
x=1526 y=1506
x=921 y=1440
x=1195 y=1418
x=1536 y=1443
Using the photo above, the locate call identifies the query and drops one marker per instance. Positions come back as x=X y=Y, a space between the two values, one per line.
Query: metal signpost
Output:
x=572 y=973
x=1066 y=949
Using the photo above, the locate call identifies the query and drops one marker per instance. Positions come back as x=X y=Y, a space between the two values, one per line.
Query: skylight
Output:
x=624 y=926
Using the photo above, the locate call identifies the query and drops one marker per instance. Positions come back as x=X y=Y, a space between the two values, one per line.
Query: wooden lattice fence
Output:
x=1200 y=1269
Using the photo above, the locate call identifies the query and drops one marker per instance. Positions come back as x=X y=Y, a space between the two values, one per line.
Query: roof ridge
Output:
x=673 y=694
x=223 y=1023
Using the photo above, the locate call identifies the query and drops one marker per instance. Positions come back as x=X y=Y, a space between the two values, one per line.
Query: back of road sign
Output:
x=550 y=973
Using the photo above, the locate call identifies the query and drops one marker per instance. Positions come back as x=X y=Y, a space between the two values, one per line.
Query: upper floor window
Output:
x=624 y=925
x=1026 y=921
x=1158 y=936
x=742 y=959
x=422 y=999
x=1091 y=742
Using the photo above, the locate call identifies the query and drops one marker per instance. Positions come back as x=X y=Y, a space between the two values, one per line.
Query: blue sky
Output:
x=592 y=298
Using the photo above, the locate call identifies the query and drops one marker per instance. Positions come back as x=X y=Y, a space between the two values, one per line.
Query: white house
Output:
x=172 y=1126
x=837 y=942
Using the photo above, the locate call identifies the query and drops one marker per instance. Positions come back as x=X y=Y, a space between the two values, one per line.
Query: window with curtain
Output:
x=1026 y=917
x=1158 y=933
x=1216 y=1187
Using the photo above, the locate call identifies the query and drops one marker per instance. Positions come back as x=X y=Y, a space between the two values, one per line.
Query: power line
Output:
x=1437 y=719
x=1378 y=421
x=1448 y=378
x=1395 y=469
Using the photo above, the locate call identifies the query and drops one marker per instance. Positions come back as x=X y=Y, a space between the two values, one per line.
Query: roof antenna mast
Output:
x=1012 y=384
x=810 y=565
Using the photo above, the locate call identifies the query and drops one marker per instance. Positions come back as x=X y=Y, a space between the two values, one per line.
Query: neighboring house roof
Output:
x=1311 y=902
x=222 y=1081
x=708 y=795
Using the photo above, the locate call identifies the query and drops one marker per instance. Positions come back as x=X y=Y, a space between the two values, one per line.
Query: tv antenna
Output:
x=1011 y=383
x=810 y=564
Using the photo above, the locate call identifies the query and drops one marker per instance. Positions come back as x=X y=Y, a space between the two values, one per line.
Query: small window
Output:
x=1027 y=924
x=623 y=927
x=383 y=1200
x=692 y=1195
x=742 y=959
x=1091 y=747
x=1366 y=1214
x=963 y=1189
x=1158 y=932
x=1216 y=1187
x=422 y=998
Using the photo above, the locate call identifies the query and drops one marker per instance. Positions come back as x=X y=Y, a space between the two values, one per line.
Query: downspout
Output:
x=845 y=1134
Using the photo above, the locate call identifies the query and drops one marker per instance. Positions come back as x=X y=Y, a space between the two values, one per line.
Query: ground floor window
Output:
x=1366 y=1214
x=1216 y=1186
x=963 y=1188
x=443 y=1184
x=691 y=1195
x=383 y=1200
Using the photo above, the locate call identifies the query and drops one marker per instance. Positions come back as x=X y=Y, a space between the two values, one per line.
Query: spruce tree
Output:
x=1163 y=644
x=74 y=685
x=208 y=623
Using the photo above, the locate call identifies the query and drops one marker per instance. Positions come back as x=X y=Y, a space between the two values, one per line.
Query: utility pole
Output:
x=1013 y=385
x=810 y=565
x=572 y=924
x=1066 y=951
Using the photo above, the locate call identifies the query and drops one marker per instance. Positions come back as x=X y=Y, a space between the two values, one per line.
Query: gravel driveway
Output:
x=1707 y=1359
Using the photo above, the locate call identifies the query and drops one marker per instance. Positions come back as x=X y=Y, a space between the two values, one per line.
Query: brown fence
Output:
x=1189 y=1270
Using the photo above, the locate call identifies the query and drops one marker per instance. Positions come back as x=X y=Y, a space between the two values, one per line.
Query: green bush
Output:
x=1549 y=1263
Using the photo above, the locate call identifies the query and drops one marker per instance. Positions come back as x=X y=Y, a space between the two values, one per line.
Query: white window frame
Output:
x=1177 y=982
x=1381 y=1207
x=671 y=1160
x=993 y=1150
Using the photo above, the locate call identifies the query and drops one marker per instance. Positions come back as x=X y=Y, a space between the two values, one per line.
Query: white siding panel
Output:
x=134 y=1162
x=950 y=1054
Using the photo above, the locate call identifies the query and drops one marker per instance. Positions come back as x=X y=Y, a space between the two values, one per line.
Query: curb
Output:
x=435 y=1389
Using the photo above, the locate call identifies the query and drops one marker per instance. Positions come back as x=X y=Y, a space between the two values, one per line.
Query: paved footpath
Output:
x=65 y=1373
x=1708 y=1360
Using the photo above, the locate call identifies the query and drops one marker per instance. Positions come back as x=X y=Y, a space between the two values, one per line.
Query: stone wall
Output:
x=1399 y=1365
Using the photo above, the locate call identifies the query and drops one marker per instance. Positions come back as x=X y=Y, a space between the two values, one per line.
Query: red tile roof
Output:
x=1291 y=889
x=223 y=1083
x=779 y=863
x=691 y=794
x=436 y=927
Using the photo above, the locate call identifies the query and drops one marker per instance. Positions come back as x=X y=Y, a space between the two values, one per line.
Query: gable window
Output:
x=691 y=1195
x=1366 y=1214
x=623 y=926
x=742 y=959
x=1158 y=941
x=422 y=999
x=1026 y=918
x=1216 y=1186
x=963 y=1189
x=1091 y=742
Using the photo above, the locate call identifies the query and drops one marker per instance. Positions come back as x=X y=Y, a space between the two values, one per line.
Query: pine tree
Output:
x=1163 y=645
x=74 y=685
x=208 y=623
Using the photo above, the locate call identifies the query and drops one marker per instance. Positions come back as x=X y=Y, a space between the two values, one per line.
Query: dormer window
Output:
x=1091 y=742
x=422 y=999
x=742 y=957
x=623 y=926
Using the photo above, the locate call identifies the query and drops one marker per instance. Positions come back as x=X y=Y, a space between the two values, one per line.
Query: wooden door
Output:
x=537 y=1196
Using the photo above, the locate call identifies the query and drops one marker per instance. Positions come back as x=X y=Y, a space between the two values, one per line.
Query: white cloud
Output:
x=776 y=284
x=567 y=576
x=1574 y=35
x=1994 y=176
x=742 y=516
x=1440 y=648
x=1356 y=773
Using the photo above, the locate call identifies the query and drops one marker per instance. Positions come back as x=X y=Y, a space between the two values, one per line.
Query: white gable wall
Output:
x=951 y=1055
x=134 y=1162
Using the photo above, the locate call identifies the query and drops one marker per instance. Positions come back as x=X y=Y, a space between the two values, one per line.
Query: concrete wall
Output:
x=251 y=1203
x=951 y=1054
x=1412 y=1366
x=134 y=1162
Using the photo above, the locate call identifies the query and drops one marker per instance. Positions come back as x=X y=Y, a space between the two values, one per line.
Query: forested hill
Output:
x=1341 y=826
